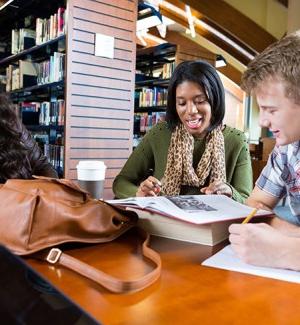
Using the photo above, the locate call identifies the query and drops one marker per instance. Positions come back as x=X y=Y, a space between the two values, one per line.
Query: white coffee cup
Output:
x=91 y=177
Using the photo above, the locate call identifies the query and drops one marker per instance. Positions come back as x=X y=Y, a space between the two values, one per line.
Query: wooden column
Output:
x=293 y=23
x=99 y=90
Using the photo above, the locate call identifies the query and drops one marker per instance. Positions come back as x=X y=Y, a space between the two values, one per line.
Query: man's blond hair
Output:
x=281 y=61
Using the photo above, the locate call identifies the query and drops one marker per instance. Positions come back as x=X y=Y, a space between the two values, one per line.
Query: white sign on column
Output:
x=104 y=46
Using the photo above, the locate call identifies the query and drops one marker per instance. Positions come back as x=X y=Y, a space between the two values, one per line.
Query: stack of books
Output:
x=202 y=219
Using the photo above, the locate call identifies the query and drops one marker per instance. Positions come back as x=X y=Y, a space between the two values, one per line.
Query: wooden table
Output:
x=187 y=292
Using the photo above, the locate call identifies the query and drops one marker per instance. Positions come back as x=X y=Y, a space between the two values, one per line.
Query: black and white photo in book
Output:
x=190 y=203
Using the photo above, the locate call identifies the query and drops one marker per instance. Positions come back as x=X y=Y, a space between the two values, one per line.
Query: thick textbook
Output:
x=202 y=219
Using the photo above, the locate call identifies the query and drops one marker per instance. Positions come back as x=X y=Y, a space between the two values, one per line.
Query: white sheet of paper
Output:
x=104 y=46
x=227 y=260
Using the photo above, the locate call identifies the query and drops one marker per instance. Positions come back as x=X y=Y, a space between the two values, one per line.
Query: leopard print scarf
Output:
x=179 y=170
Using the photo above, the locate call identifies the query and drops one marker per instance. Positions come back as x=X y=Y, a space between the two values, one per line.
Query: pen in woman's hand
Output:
x=156 y=183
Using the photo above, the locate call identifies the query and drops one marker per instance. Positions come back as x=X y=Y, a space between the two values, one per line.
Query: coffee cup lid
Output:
x=90 y=164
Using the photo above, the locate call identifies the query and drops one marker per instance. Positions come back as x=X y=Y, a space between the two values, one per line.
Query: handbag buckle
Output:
x=53 y=255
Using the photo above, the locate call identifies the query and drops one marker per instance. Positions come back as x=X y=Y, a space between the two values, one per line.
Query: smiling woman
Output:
x=192 y=152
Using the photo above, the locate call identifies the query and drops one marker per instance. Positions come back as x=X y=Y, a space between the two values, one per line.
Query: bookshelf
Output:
x=98 y=91
x=34 y=50
x=154 y=67
x=33 y=64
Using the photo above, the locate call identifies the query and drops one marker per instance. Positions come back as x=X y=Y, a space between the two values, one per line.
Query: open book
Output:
x=200 y=219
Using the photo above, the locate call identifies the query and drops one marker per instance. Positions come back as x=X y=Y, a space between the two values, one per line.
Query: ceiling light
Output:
x=190 y=19
x=148 y=17
x=6 y=4
x=220 y=61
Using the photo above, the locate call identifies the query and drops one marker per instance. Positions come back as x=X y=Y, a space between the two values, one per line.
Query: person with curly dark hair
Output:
x=20 y=155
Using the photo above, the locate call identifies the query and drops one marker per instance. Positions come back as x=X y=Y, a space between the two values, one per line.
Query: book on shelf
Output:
x=167 y=70
x=148 y=97
x=143 y=122
x=3 y=81
x=9 y=78
x=52 y=69
x=50 y=28
x=15 y=78
x=54 y=153
x=14 y=41
x=26 y=39
x=22 y=39
x=202 y=219
x=29 y=112
x=28 y=73
x=60 y=21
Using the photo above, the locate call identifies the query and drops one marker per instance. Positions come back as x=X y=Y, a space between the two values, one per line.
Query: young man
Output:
x=273 y=77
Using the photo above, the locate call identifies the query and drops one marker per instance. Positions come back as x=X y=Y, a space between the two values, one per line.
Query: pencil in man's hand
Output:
x=250 y=216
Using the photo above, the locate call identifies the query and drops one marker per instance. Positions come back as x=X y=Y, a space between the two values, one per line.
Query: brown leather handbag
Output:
x=37 y=215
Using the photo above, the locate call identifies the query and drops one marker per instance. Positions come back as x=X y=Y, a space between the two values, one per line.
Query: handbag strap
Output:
x=56 y=256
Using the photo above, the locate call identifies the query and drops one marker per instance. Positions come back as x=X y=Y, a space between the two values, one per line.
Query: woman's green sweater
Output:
x=152 y=152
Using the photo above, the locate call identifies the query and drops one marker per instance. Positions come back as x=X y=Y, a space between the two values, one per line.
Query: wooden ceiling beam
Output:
x=177 y=38
x=284 y=2
x=232 y=73
x=229 y=20
x=207 y=35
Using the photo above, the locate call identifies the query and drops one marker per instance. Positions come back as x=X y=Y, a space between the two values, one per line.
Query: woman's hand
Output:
x=217 y=187
x=149 y=187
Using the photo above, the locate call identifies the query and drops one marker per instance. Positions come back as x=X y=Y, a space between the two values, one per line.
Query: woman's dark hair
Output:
x=13 y=155
x=206 y=76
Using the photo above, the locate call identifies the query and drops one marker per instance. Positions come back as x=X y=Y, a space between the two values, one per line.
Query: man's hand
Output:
x=217 y=187
x=261 y=244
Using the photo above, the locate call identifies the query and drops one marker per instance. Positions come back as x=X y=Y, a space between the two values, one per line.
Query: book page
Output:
x=198 y=209
x=227 y=260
